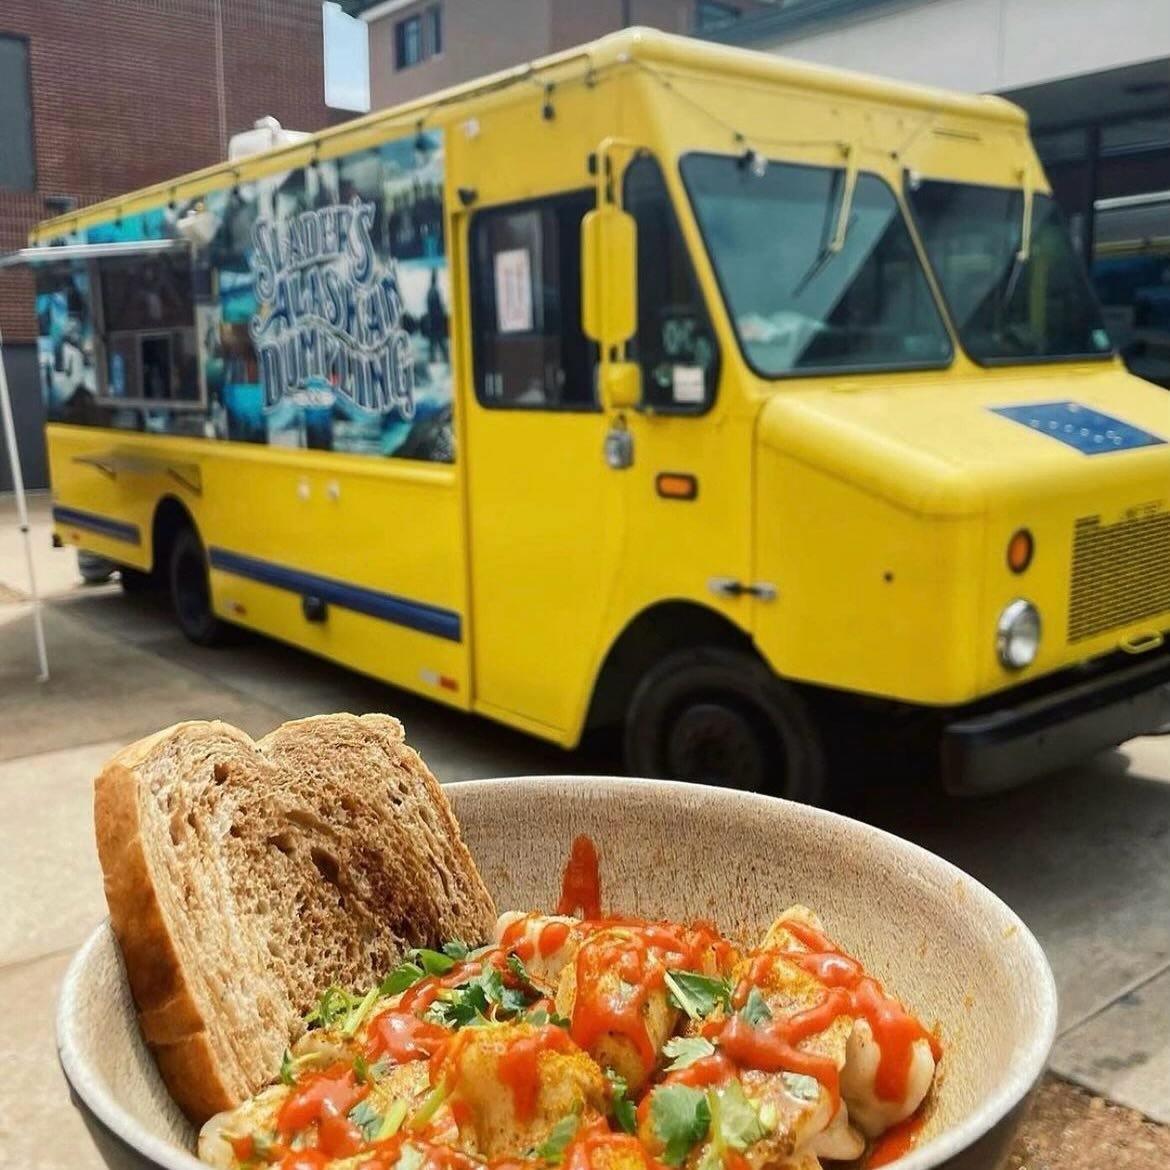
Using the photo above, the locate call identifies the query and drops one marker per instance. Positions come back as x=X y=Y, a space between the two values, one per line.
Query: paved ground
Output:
x=1084 y=858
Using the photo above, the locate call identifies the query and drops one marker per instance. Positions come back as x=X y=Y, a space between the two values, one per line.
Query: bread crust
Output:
x=172 y=1024
x=171 y=1019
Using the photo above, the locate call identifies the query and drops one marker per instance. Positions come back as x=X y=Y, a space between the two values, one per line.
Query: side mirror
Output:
x=608 y=276
x=620 y=385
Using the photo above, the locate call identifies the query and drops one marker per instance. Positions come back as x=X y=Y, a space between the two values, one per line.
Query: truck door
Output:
x=538 y=484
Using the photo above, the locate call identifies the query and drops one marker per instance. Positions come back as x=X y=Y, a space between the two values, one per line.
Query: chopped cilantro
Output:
x=553 y=1147
x=698 y=995
x=680 y=1117
x=540 y=1016
x=458 y=1007
x=361 y=1070
x=735 y=1121
x=517 y=967
x=334 y=1002
x=456 y=950
x=685 y=1050
x=755 y=1010
x=403 y=976
x=366 y=1118
x=623 y=1107
x=290 y=1065
x=432 y=962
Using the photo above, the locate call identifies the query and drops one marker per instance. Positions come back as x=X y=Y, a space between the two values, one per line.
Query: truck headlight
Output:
x=1017 y=634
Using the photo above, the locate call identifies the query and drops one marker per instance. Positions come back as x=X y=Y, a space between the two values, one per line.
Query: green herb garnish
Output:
x=623 y=1107
x=290 y=1065
x=432 y=962
x=680 y=1117
x=366 y=1118
x=735 y=1121
x=553 y=1147
x=358 y=1013
x=403 y=976
x=392 y=1122
x=334 y=1002
x=456 y=950
x=698 y=995
x=685 y=1050
x=755 y=1010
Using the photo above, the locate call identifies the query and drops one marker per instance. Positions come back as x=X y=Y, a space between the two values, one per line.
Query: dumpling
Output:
x=509 y=1084
x=616 y=999
x=873 y=1105
x=545 y=943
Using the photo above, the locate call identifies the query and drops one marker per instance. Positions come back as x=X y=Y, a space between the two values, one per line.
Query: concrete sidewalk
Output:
x=1084 y=858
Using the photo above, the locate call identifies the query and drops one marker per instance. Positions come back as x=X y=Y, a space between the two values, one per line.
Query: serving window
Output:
x=145 y=325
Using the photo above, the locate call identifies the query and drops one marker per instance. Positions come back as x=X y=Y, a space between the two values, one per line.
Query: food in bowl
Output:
x=604 y=1044
x=238 y=872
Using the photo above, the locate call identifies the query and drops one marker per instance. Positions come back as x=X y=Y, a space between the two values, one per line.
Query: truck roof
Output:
x=632 y=45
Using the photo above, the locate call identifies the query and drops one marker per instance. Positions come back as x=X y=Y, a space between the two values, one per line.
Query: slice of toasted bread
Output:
x=243 y=878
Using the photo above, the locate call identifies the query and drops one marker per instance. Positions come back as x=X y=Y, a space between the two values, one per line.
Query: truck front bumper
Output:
x=996 y=746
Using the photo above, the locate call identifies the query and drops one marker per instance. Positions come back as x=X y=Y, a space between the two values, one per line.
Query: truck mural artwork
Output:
x=317 y=302
x=329 y=312
x=579 y=399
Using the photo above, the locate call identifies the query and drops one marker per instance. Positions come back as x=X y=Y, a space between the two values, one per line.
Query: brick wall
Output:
x=131 y=92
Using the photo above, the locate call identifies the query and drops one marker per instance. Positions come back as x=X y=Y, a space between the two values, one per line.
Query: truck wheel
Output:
x=717 y=716
x=191 y=590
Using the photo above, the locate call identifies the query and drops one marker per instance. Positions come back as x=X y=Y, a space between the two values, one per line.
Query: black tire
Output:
x=718 y=716
x=135 y=580
x=190 y=591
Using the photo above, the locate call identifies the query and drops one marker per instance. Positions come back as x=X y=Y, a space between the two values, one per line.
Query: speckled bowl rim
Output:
x=1017 y=1081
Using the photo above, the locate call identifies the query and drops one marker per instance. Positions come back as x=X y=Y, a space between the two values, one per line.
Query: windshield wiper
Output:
x=838 y=240
x=834 y=246
x=1024 y=251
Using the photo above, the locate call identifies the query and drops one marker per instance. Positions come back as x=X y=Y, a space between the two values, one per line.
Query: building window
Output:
x=408 y=42
x=418 y=37
x=710 y=14
x=530 y=349
x=17 y=171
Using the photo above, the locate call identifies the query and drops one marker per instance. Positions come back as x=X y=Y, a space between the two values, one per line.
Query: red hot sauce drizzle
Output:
x=581 y=881
x=773 y=1046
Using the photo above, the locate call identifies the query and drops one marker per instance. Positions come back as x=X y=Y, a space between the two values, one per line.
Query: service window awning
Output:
x=61 y=253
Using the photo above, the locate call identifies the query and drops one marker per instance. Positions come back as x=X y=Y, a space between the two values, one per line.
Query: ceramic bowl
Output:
x=934 y=936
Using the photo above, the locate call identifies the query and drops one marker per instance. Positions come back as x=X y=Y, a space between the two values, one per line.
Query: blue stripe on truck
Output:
x=414 y=615
x=103 y=525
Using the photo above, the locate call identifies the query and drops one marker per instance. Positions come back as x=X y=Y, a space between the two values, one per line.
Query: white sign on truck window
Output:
x=514 y=291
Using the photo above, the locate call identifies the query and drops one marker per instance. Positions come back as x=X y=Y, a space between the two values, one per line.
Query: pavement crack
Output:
x=1127 y=989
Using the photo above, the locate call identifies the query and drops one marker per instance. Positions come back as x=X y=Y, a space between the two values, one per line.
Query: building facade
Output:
x=419 y=46
x=111 y=95
x=1095 y=81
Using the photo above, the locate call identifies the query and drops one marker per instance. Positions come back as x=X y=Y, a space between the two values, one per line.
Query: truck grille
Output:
x=1120 y=572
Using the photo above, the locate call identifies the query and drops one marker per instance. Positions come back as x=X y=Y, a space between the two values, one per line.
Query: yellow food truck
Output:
x=731 y=402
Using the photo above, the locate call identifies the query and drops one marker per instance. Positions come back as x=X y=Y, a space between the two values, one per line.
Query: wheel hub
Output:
x=709 y=743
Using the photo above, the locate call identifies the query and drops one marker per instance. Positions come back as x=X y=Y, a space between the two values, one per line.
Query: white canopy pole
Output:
x=22 y=514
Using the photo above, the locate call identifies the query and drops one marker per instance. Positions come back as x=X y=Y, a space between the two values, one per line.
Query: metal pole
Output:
x=22 y=514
